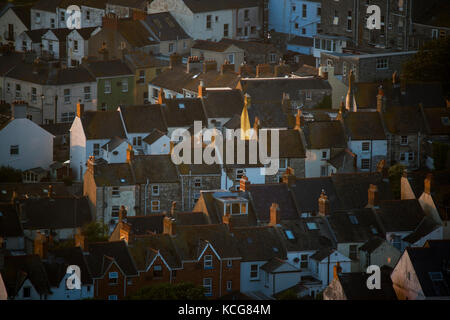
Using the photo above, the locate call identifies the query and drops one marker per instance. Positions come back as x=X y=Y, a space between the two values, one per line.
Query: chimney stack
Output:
x=286 y=103
x=175 y=60
x=81 y=241
x=50 y=191
x=110 y=21
x=209 y=65
x=226 y=67
x=201 y=89
x=381 y=100
x=40 y=245
x=289 y=177
x=281 y=69
x=161 y=96
x=80 y=109
x=427 y=183
x=243 y=184
x=173 y=208
x=336 y=270
x=298 y=120
x=275 y=215
x=373 y=196
x=245 y=70
x=19 y=109
x=130 y=154
x=194 y=64
x=324 y=204
x=263 y=70
x=169 y=226
x=122 y=214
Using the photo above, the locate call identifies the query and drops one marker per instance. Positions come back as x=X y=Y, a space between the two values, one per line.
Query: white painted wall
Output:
x=120 y=157
x=160 y=146
x=45 y=20
x=314 y=162
x=35 y=145
x=9 y=17
x=376 y=152
x=406 y=289
x=77 y=149
x=62 y=293
x=248 y=285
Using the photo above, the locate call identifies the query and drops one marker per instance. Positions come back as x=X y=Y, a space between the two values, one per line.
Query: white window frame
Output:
x=87 y=93
x=404 y=140
x=107 y=87
x=155 y=206
x=382 y=63
x=207 y=261
x=125 y=85
x=207 y=284
x=252 y=271
x=155 y=186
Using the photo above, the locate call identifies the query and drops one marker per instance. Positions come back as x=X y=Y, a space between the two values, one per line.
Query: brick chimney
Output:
x=201 y=89
x=81 y=241
x=130 y=154
x=209 y=65
x=91 y=164
x=289 y=177
x=275 y=214
x=244 y=184
x=336 y=270
x=263 y=70
x=381 y=100
x=427 y=183
x=194 y=64
x=110 y=21
x=281 y=69
x=298 y=120
x=50 y=191
x=175 y=60
x=286 y=103
x=138 y=15
x=19 y=109
x=226 y=67
x=161 y=96
x=245 y=70
x=169 y=226
x=324 y=204
x=40 y=245
x=173 y=208
x=80 y=109
x=122 y=214
x=373 y=196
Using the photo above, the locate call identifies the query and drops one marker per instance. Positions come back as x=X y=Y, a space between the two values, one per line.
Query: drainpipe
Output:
x=145 y=198
x=182 y=192
x=56 y=108
x=418 y=150
x=189 y=188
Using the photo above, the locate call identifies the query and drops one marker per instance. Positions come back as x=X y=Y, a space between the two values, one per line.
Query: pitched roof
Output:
x=142 y=60
x=306 y=193
x=10 y=225
x=403 y=120
x=290 y=144
x=223 y=103
x=141 y=225
x=165 y=27
x=47 y=5
x=197 y=6
x=430 y=259
x=434 y=13
x=60 y=34
x=216 y=46
x=364 y=126
x=110 y=68
x=86 y=33
x=23 y=13
x=101 y=254
x=37 y=190
x=183 y=112
x=135 y=33
x=372 y=244
x=113 y=174
x=157 y=168
x=301 y=41
x=400 y=215
x=36 y=34
x=102 y=125
x=324 y=134
x=252 y=47
x=437 y=120
x=154 y=135
x=113 y=143
x=143 y=118
x=55 y=213
x=425 y=227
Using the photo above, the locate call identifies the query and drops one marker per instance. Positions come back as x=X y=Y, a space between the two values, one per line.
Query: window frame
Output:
x=255 y=277
x=208 y=262
x=155 y=206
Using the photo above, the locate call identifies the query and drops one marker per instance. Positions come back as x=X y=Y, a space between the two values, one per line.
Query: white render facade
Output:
x=367 y=159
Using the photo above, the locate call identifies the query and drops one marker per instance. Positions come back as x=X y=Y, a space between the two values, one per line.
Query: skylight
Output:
x=436 y=276
x=445 y=121
x=312 y=225
x=275 y=249
x=374 y=230
x=181 y=106
x=353 y=219
x=289 y=234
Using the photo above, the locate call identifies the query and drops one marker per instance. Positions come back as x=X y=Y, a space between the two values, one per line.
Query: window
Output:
x=283 y=163
x=229 y=285
x=37 y=18
x=87 y=93
x=365 y=146
x=246 y=14
x=434 y=34
x=402 y=156
x=253 y=30
x=312 y=226
x=33 y=94
x=155 y=190
x=112 y=297
x=296 y=26
x=125 y=85
x=14 y=150
x=113 y=278
x=115 y=211
x=24 y=45
x=254 y=272
x=225 y=30
x=62 y=16
x=50 y=46
x=239 y=31
x=344 y=69
x=52 y=23
x=88 y=15
x=382 y=63
x=107 y=86
x=208 y=22
x=294 y=8
x=174 y=273
x=411 y=156
x=197 y=182
x=142 y=76
x=397 y=242
x=207 y=284
x=155 y=93
x=304 y=261
x=207 y=262
x=319 y=11
x=336 y=18
x=18 y=89
x=157 y=271
x=239 y=174
x=229 y=263
x=353 y=219
x=155 y=205
x=171 y=47
x=67 y=116
x=115 y=192
x=324 y=155
x=75 y=45
x=231 y=58
x=365 y=164
x=8 y=87
x=353 y=252
x=304 y=11
x=66 y=95
x=309 y=95
x=26 y=292
x=382 y=26
x=137 y=141
x=323 y=171
x=96 y=149
x=349 y=21
x=303 y=31
x=404 y=140
x=272 y=57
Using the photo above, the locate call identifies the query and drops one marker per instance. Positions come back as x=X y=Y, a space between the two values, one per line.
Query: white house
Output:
x=214 y=20
x=3 y=293
x=54 y=43
x=30 y=40
x=23 y=144
x=13 y=21
x=77 y=44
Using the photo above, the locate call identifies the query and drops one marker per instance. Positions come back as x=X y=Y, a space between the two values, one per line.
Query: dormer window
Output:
x=236 y=208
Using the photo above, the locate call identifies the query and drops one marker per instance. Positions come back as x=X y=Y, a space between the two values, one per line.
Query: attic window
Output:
x=445 y=121
x=436 y=276
x=374 y=230
x=181 y=106
x=275 y=249
x=289 y=234
x=353 y=219
x=312 y=225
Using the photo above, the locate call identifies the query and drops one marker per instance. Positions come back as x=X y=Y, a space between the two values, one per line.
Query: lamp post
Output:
x=42 y=108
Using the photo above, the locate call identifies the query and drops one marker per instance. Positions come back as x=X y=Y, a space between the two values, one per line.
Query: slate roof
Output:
x=86 y=33
x=135 y=33
x=143 y=118
x=183 y=112
x=272 y=265
x=372 y=244
x=102 y=125
x=301 y=41
x=113 y=174
x=36 y=35
x=141 y=225
x=9 y=61
x=216 y=46
x=165 y=27
x=110 y=68
x=55 y=213
x=437 y=120
x=37 y=190
x=252 y=47
x=113 y=143
x=290 y=144
x=154 y=135
x=431 y=259
x=23 y=13
x=426 y=226
x=60 y=34
x=137 y=4
x=223 y=103
x=434 y=13
x=272 y=89
x=259 y=243
x=47 y=5
x=364 y=126
x=10 y=225
x=197 y=6
x=57 y=129
x=101 y=254
x=17 y=269
x=262 y=196
x=157 y=168
x=400 y=215
x=324 y=134
x=346 y=230
x=142 y=60
x=402 y=120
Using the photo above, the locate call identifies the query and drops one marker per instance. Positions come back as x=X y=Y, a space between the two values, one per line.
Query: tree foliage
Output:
x=440 y=152
x=95 y=232
x=395 y=174
x=9 y=174
x=430 y=63
x=167 y=291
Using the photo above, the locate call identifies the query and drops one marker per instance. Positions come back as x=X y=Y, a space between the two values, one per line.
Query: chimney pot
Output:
x=324 y=204
x=169 y=226
x=275 y=215
x=373 y=196
x=427 y=183
x=289 y=177
x=244 y=184
x=336 y=270
x=80 y=109
x=201 y=89
x=130 y=154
